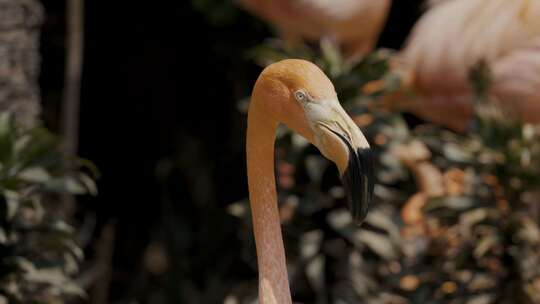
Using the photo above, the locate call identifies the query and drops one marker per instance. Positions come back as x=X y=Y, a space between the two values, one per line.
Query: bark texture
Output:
x=20 y=22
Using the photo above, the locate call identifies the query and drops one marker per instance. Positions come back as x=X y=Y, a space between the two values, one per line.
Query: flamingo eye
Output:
x=300 y=95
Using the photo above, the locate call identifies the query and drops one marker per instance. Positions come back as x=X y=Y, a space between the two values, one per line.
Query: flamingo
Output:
x=355 y=24
x=298 y=94
x=454 y=35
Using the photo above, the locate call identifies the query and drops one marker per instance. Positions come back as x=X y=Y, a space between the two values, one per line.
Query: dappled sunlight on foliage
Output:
x=455 y=218
x=40 y=254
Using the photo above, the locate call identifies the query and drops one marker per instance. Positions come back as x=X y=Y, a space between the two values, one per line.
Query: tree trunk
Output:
x=20 y=22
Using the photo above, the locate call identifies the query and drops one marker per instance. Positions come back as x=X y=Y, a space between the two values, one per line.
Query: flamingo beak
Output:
x=358 y=179
x=340 y=140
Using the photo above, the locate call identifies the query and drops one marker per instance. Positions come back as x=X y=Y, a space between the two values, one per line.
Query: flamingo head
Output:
x=298 y=94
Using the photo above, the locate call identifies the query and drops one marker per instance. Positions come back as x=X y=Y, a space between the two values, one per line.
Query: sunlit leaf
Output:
x=34 y=175
x=484 y=245
x=379 y=243
x=68 y=184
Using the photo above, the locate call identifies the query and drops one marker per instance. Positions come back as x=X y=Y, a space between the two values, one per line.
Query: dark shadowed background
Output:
x=159 y=118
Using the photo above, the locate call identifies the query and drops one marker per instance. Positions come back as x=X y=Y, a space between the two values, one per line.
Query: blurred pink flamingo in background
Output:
x=452 y=37
x=354 y=24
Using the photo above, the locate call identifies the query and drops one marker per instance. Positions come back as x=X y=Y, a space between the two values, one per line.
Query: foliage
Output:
x=218 y=13
x=455 y=218
x=39 y=251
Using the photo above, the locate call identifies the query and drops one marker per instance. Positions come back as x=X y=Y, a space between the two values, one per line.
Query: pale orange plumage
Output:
x=355 y=24
x=299 y=95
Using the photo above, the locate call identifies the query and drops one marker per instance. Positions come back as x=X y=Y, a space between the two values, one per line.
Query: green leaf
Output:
x=379 y=243
x=11 y=199
x=456 y=153
x=332 y=56
x=484 y=245
x=67 y=184
x=34 y=175
x=88 y=183
x=3 y=236
x=40 y=150
x=453 y=203
x=381 y=220
x=6 y=137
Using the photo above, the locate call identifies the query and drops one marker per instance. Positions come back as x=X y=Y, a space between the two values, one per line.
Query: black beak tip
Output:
x=358 y=180
x=358 y=183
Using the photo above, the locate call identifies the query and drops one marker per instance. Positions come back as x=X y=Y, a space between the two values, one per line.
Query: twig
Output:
x=72 y=86
x=105 y=250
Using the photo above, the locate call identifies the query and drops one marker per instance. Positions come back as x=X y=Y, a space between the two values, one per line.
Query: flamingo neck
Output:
x=273 y=280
